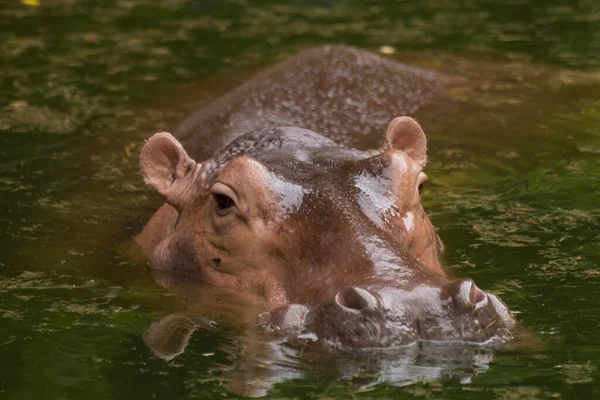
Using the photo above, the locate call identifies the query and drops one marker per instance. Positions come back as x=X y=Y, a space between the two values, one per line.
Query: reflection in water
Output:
x=169 y=336
x=258 y=361
x=514 y=168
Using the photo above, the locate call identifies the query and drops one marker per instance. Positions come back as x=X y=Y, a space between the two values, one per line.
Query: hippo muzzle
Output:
x=390 y=317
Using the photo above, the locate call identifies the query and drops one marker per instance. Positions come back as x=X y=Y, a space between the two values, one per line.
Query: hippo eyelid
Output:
x=224 y=197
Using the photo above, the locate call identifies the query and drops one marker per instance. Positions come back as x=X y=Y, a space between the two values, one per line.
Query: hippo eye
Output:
x=224 y=202
x=225 y=198
x=422 y=179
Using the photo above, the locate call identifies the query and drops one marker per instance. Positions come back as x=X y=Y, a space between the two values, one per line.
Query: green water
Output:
x=514 y=170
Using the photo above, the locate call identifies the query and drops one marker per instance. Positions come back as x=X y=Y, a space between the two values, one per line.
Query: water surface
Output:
x=514 y=186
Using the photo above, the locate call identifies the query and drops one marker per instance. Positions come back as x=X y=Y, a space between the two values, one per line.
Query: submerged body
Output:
x=326 y=239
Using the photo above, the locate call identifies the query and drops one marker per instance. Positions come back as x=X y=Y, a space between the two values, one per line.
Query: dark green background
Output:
x=514 y=169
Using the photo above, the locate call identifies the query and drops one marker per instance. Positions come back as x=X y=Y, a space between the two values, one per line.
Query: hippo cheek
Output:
x=421 y=238
x=172 y=255
x=177 y=255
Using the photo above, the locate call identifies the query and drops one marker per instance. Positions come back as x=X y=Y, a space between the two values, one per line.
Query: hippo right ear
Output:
x=167 y=168
x=405 y=134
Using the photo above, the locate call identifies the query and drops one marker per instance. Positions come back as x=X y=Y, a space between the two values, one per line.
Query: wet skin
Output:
x=326 y=239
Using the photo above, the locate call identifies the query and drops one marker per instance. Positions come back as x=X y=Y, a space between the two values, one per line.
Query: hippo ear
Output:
x=167 y=168
x=405 y=134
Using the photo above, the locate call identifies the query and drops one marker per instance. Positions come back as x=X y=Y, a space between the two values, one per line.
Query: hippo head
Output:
x=285 y=216
x=283 y=203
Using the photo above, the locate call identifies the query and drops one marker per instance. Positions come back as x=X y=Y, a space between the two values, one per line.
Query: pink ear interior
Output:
x=405 y=134
x=164 y=164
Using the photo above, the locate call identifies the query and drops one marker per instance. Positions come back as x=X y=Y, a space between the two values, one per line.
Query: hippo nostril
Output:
x=355 y=299
x=477 y=295
x=467 y=295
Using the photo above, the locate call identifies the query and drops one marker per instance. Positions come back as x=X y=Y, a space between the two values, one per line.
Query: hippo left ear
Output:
x=167 y=167
x=405 y=134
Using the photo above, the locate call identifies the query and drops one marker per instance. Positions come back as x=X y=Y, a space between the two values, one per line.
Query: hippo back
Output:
x=345 y=94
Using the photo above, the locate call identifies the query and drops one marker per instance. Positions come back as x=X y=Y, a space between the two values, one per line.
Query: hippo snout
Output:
x=370 y=317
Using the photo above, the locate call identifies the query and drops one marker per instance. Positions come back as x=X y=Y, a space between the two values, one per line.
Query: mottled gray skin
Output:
x=345 y=94
x=326 y=239
x=395 y=316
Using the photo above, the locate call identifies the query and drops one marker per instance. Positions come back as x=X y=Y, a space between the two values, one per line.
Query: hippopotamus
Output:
x=270 y=197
